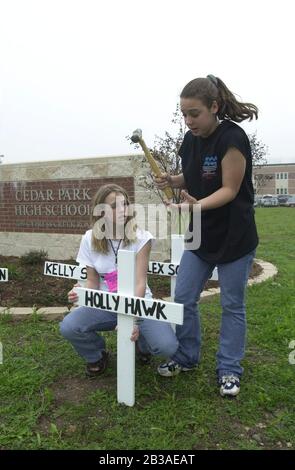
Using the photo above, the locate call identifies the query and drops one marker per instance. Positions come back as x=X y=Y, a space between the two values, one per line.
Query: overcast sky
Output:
x=78 y=76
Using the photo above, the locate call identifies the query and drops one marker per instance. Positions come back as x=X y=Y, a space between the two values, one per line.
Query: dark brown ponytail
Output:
x=212 y=88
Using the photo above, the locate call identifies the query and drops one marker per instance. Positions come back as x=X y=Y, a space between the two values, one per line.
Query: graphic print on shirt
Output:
x=209 y=168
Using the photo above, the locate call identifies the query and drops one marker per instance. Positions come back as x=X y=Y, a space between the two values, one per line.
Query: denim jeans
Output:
x=192 y=276
x=82 y=325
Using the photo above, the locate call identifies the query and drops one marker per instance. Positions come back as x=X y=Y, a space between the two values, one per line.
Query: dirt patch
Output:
x=77 y=389
x=29 y=287
x=73 y=390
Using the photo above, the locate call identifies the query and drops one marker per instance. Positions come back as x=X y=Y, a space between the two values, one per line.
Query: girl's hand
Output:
x=162 y=181
x=135 y=333
x=72 y=296
x=187 y=202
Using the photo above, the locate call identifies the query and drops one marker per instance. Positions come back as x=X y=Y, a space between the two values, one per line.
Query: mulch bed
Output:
x=29 y=287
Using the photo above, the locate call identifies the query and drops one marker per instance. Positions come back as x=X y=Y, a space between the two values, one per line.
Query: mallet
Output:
x=137 y=139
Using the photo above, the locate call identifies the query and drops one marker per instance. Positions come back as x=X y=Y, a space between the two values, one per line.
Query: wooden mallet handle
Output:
x=137 y=138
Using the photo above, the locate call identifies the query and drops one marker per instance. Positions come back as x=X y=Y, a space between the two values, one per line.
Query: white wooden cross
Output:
x=67 y=271
x=3 y=278
x=171 y=269
x=128 y=307
x=3 y=274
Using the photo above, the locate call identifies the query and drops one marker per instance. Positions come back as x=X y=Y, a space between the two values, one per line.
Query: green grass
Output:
x=46 y=403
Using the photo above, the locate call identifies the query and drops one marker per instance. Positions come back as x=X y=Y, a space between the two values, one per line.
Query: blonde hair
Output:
x=101 y=243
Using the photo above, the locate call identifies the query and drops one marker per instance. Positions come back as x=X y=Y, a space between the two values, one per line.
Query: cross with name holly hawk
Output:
x=128 y=307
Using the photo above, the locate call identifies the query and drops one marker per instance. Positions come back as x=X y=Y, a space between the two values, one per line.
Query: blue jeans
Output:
x=192 y=276
x=82 y=325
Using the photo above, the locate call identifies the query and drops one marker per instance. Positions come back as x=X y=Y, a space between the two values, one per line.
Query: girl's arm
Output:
x=142 y=263
x=175 y=181
x=233 y=168
x=92 y=278
x=92 y=283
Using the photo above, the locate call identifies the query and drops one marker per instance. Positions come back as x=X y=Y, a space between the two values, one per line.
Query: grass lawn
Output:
x=47 y=403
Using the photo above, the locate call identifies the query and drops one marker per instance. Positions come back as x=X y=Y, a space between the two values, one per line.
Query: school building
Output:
x=274 y=178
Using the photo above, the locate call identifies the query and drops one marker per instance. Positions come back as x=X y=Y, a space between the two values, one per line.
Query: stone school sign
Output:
x=45 y=204
x=51 y=206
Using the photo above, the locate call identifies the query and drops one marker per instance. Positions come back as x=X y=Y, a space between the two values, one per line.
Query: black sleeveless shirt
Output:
x=228 y=232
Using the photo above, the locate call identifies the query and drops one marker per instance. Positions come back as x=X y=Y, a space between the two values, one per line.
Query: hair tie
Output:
x=213 y=79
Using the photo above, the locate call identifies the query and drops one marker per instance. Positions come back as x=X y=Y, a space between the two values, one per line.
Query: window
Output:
x=286 y=176
x=278 y=191
x=277 y=175
x=286 y=191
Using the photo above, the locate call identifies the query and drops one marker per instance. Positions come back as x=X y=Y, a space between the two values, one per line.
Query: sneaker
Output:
x=96 y=368
x=171 y=368
x=144 y=358
x=229 y=385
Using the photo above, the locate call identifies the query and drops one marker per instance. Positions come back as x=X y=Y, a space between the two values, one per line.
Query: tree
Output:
x=165 y=152
x=259 y=153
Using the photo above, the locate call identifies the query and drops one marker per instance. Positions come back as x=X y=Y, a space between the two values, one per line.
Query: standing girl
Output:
x=113 y=228
x=217 y=174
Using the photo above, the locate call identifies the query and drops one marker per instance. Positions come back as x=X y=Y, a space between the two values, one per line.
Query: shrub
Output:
x=34 y=257
x=14 y=271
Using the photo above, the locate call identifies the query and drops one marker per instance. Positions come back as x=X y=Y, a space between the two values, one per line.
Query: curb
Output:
x=20 y=313
x=57 y=313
